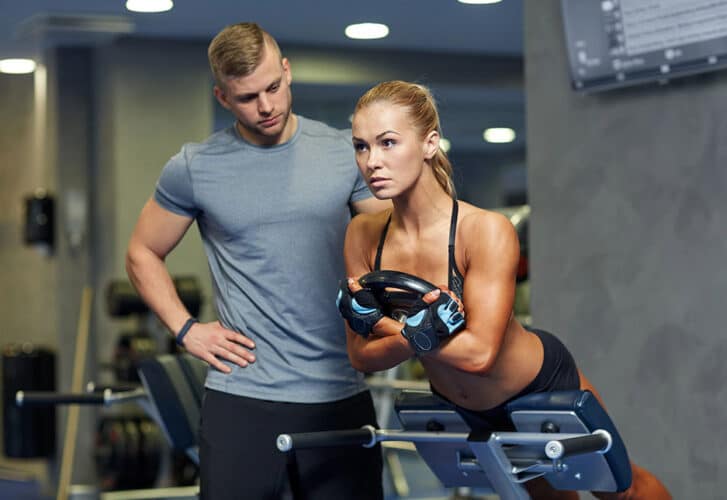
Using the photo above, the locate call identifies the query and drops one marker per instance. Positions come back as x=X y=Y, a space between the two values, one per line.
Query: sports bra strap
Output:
x=453 y=275
x=452 y=235
x=380 y=248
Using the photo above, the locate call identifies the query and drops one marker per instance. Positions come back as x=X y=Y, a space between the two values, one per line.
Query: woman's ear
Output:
x=431 y=144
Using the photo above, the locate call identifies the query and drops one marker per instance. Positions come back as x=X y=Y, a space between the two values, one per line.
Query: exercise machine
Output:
x=566 y=437
x=170 y=394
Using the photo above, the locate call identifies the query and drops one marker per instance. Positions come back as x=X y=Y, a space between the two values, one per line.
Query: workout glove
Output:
x=361 y=309
x=436 y=321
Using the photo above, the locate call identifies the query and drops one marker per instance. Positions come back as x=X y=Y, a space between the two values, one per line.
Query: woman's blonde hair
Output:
x=419 y=104
x=238 y=49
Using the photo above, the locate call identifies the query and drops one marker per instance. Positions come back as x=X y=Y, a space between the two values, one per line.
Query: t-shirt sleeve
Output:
x=174 y=190
x=360 y=190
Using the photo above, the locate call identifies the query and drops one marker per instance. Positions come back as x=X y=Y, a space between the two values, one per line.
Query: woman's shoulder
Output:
x=474 y=220
x=485 y=236
x=366 y=224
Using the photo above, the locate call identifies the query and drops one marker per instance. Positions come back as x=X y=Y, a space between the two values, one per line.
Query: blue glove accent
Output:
x=438 y=320
x=450 y=319
x=361 y=309
x=417 y=319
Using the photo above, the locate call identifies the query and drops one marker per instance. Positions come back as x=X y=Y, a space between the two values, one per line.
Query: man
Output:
x=271 y=196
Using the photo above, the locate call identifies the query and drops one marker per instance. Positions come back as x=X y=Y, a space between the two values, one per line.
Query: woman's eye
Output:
x=388 y=142
x=359 y=147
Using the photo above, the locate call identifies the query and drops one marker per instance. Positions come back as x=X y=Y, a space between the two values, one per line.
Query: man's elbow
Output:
x=135 y=258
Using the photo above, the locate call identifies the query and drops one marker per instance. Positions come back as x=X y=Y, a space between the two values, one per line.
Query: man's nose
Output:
x=264 y=106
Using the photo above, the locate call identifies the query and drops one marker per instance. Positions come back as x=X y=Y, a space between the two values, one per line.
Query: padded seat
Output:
x=500 y=460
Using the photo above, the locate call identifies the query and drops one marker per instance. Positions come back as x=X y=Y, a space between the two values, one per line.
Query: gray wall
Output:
x=628 y=247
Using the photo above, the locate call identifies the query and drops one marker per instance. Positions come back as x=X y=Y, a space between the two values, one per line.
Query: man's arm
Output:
x=156 y=234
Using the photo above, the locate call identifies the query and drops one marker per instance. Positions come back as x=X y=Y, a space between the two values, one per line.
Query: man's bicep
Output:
x=159 y=229
x=354 y=252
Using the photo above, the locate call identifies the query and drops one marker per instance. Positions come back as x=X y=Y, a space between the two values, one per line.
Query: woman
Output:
x=478 y=364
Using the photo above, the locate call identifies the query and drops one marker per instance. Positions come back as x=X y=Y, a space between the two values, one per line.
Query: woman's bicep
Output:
x=489 y=285
x=489 y=289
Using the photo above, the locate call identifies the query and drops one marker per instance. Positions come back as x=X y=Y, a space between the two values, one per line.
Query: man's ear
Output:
x=431 y=144
x=221 y=97
x=286 y=70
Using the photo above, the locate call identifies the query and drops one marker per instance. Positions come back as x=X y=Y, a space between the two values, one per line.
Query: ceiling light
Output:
x=444 y=144
x=499 y=135
x=149 y=5
x=478 y=2
x=17 y=66
x=367 y=31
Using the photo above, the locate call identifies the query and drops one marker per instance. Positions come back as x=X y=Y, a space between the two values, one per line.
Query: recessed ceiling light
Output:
x=444 y=144
x=499 y=135
x=149 y=5
x=17 y=66
x=479 y=2
x=367 y=31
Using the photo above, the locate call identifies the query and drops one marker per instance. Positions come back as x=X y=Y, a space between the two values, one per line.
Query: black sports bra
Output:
x=455 y=278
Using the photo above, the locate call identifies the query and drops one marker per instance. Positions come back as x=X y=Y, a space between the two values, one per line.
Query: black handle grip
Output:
x=396 y=279
x=28 y=398
x=599 y=441
x=365 y=436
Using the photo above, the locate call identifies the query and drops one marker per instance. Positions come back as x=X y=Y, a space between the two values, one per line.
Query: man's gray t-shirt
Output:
x=272 y=220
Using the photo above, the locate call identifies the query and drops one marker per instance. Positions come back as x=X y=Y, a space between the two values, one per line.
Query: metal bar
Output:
x=365 y=436
x=531 y=438
x=422 y=437
x=37 y=398
x=107 y=397
x=498 y=469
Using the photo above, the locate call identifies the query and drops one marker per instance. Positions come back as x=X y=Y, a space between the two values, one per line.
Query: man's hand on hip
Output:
x=211 y=342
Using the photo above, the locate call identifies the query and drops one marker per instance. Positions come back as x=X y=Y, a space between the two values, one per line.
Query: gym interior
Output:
x=615 y=189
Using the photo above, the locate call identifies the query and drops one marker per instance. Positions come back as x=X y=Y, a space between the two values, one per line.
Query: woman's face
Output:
x=389 y=151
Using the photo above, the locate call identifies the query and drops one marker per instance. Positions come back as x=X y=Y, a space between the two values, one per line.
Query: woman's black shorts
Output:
x=558 y=373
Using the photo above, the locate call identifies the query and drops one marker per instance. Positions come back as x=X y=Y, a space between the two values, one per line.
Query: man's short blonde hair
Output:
x=238 y=49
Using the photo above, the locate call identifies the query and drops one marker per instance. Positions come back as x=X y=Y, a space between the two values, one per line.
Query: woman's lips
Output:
x=377 y=181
